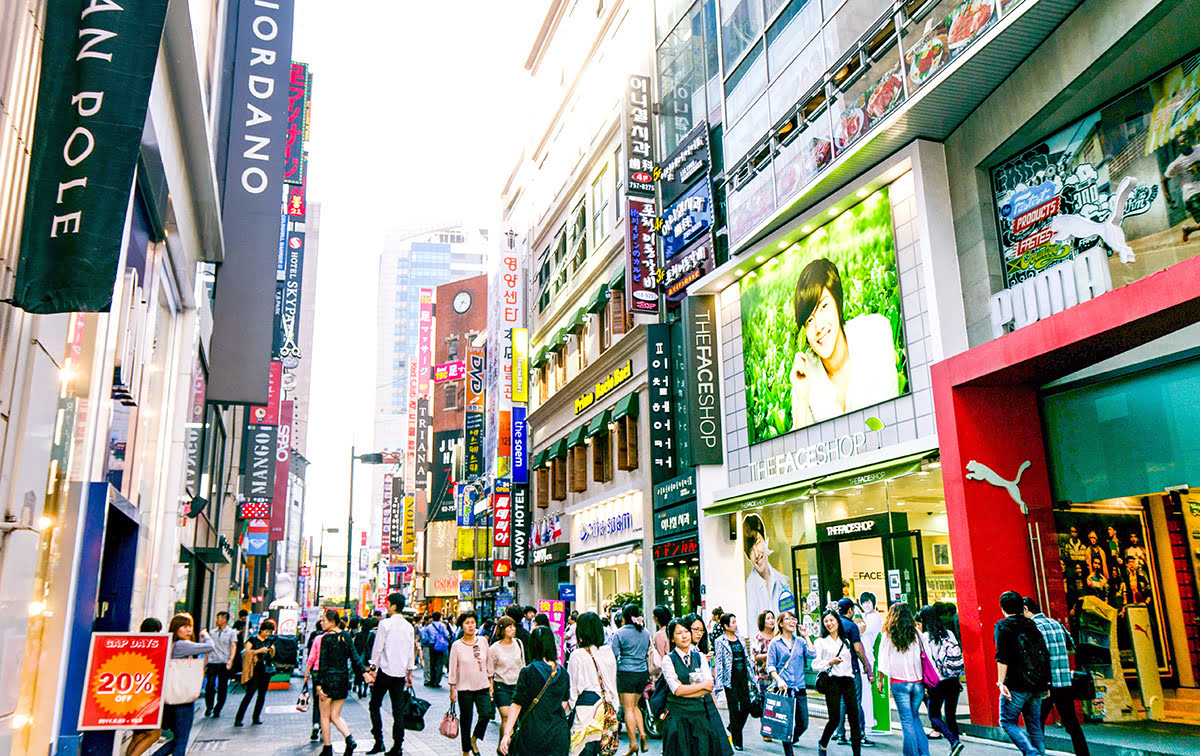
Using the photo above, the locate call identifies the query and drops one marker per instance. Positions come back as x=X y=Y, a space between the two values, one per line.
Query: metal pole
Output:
x=349 y=532
x=320 y=564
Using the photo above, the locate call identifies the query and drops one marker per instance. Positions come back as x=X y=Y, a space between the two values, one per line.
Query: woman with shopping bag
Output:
x=183 y=681
x=593 y=672
x=786 y=657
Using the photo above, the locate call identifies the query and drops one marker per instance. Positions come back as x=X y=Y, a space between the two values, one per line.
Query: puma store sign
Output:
x=1066 y=284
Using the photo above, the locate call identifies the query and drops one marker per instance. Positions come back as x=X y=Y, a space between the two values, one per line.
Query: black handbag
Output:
x=414 y=713
x=823 y=683
x=1083 y=686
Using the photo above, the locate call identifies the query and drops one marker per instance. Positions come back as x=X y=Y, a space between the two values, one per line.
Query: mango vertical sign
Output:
x=97 y=65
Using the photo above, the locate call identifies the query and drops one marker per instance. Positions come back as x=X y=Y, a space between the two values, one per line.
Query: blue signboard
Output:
x=687 y=218
x=465 y=589
x=464 y=505
x=566 y=592
x=520 y=447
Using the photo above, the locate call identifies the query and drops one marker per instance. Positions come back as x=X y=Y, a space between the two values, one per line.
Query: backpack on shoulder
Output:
x=1033 y=661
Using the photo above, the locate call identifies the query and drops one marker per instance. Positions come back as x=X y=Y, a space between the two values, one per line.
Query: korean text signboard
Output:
x=662 y=427
x=385 y=544
x=679 y=273
x=639 y=145
x=687 y=164
x=425 y=345
x=91 y=110
x=502 y=515
x=473 y=417
x=449 y=371
x=522 y=521
x=641 y=255
x=687 y=218
x=124 y=683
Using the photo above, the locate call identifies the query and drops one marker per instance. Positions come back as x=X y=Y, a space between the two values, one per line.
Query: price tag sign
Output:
x=124 y=681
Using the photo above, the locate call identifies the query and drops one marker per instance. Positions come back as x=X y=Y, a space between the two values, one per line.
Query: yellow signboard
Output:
x=520 y=364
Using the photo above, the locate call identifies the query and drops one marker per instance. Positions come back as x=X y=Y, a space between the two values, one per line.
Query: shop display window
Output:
x=627 y=443
x=803 y=153
x=597 y=581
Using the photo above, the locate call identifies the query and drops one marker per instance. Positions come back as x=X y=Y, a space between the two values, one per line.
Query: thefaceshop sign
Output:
x=612 y=522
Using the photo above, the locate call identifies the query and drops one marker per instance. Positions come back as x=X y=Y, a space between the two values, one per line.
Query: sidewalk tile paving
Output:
x=286 y=732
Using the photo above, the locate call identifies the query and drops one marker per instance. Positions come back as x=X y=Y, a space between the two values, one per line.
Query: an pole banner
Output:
x=97 y=65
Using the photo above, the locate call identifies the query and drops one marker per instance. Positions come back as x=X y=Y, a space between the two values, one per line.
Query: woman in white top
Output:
x=900 y=659
x=834 y=654
x=592 y=669
x=508 y=658
x=691 y=724
x=844 y=366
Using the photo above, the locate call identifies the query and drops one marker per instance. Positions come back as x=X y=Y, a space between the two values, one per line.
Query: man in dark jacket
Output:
x=1023 y=671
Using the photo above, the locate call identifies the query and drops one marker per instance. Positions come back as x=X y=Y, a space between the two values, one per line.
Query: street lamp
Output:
x=321 y=562
x=366 y=459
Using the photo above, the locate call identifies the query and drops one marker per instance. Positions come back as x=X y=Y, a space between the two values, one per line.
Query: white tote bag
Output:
x=184 y=679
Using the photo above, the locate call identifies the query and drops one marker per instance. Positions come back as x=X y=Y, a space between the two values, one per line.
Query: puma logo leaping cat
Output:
x=980 y=471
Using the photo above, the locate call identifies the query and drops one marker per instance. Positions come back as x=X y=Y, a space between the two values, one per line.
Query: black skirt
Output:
x=693 y=727
x=632 y=682
x=504 y=694
x=335 y=684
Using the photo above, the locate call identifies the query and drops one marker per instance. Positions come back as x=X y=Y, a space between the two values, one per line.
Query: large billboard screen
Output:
x=822 y=331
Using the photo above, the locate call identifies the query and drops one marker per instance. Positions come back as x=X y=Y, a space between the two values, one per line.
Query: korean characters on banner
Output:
x=410 y=466
x=396 y=515
x=662 y=436
x=473 y=415
x=297 y=107
x=641 y=255
x=639 y=144
x=385 y=540
x=506 y=315
x=425 y=345
x=501 y=527
x=522 y=521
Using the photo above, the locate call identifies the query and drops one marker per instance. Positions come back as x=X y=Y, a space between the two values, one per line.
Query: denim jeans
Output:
x=908 y=697
x=1028 y=705
x=177 y=718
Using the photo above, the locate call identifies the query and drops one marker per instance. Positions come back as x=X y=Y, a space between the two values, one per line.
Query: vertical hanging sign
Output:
x=641 y=256
x=385 y=539
x=297 y=110
x=251 y=202
x=473 y=416
x=410 y=460
x=703 y=386
x=520 y=365
x=283 y=457
x=98 y=63
x=662 y=431
x=522 y=520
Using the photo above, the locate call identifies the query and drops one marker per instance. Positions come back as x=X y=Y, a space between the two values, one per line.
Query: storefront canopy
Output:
x=600 y=301
x=538 y=359
x=539 y=459
x=821 y=484
x=560 y=339
x=627 y=406
x=577 y=437
x=618 y=281
x=559 y=450
x=579 y=322
x=600 y=423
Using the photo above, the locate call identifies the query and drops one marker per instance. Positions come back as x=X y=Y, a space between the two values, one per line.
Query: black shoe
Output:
x=208 y=713
x=350 y=746
x=327 y=751
x=377 y=748
x=316 y=734
x=393 y=752
x=238 y=723
x=256 y=721
x=216 y=715
x=843 y=742
x=868 y=742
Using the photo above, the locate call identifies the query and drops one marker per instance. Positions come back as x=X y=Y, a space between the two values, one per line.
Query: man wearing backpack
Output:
x=439 y=636
x=1059 y=644
x=1023 y=670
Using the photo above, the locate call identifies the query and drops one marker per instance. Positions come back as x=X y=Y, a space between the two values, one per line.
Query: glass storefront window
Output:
x=667 y=14
x=682 y=77
x=799 y=77
x=872 y=93
x=790 y=32
x=741 y=23
x=743 y=135
x=799 y=161
x=751 y=203
x=597 y=581
x=746 y=83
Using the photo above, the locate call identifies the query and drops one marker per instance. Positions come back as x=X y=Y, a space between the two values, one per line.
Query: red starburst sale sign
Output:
x=124 y=681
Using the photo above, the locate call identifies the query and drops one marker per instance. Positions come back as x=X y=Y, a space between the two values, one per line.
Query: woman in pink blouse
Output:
x=471 y=680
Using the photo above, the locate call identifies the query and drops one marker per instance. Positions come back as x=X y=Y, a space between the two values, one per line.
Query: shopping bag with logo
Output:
x=305 y=699
x=777 y=718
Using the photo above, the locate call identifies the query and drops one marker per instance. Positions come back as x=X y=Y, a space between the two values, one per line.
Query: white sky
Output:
x=415 y=119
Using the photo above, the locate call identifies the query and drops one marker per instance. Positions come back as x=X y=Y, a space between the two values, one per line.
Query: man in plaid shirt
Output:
x=1060 y=645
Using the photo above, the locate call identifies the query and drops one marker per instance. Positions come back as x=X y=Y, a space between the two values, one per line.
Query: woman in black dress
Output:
x=539 y=707
x=692 y=726
x=334 y=653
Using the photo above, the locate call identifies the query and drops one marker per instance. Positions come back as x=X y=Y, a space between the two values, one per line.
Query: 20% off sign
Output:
x=124 y=681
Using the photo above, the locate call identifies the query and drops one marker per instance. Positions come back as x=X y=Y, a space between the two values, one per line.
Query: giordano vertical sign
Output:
x=98 y=61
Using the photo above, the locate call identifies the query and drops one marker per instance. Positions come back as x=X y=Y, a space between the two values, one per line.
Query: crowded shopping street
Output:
x=600 y=377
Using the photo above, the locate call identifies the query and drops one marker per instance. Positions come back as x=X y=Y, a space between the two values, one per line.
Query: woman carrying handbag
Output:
x=902 y=660
x=593 y=672
x=537 y=725
x=785 y=666
x=471 y=674
x=184 y=678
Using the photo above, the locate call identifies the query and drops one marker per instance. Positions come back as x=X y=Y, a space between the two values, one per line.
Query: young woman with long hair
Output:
x=900 y=660
x=785 y=666
x=508 y=657
x=631 y=647
x=178 y=717
x=834 y=655
x=758 y=652
x=539 y=703
x=695 y=623
x=471 y=673
x=731 y=673
x=692 y=726
x=593 y=672
x=944 y=650
x=331 y=656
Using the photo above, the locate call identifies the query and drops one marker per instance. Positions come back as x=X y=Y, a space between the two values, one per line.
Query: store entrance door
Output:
x=891 y=566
